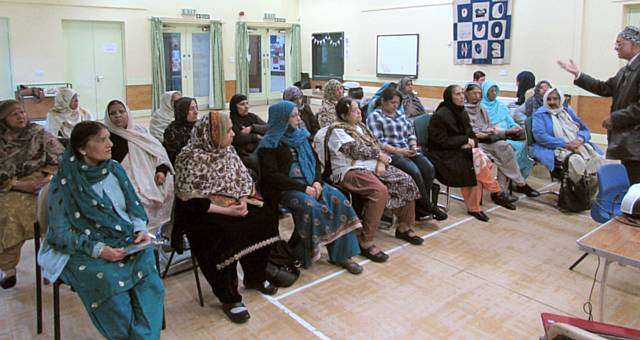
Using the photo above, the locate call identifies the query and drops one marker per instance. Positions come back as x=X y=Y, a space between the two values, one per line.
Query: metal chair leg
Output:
x=56 y=310
x=195 y=272
x=36 y=242
x=578 y=261
x=166 y=268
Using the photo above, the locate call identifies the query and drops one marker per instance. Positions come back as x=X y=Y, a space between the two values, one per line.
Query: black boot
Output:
x=501 y=199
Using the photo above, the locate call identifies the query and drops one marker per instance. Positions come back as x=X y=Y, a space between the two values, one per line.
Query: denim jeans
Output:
x=421 y=170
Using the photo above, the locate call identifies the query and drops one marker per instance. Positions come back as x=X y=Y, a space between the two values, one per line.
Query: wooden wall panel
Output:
x=139 y=97
x=593 y=110
x=229 y=89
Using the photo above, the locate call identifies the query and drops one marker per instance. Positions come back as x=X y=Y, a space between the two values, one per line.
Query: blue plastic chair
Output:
x=613 y=184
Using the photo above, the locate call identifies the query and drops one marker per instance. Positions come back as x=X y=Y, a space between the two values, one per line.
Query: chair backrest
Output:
x=42 y=211
x=528 y=130
x=421 y=127
x=613 y=183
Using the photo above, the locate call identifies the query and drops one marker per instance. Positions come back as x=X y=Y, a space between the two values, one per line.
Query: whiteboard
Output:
x=397 y=55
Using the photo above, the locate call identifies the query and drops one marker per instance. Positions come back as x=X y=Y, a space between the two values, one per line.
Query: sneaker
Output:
x=438 y=213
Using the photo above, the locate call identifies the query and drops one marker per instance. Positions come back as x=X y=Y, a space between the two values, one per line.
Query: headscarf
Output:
x=291 y=93
x=204 y=168
x=532 y=104
x=29 y=151
x=410 y=102
x=163 y=116
x=526 y=80
x=177 y=134
x=89 y=210
x=497 y=111
x=61 y=119
x=630 y=33
x=279 y=131
x=233 y=104
x=373 y=103
x=138 y=136
x=447 y=102
x=327 y=113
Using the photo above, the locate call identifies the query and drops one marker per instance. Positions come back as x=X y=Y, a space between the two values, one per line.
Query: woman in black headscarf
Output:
x=177 y=134
x=453 y=149
x=525 y=80
x=248 y=129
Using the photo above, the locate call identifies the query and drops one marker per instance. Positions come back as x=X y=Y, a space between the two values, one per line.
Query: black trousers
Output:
x=633 y=170
x=224 y=282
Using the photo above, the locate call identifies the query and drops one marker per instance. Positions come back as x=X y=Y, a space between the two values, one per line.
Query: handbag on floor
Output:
x=282 y=268
x=575 y=196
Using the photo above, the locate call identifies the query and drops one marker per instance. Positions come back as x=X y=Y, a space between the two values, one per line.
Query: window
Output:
x=327 y=55
x=6 y=83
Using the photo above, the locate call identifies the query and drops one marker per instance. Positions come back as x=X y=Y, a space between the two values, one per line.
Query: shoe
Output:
x=527 y=190
x=265 y=287
x=8 y=281
x=479 y=215
x=423 y=217
x=501 y=199
x=512 y=198
x=350 y=265
x=379 y=257
x=415 y=239
x=438 y=213
x=237 y=312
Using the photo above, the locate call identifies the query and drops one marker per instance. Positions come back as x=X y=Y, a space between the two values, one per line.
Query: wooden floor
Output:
x=468 y=280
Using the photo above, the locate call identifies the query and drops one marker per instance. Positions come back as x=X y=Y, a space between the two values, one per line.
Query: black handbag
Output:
x=574 y=197
x=282 y=269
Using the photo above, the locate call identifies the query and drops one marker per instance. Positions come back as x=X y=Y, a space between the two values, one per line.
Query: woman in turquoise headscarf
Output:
x=94 y=213
x=373 y=102
x=499 y=116
x=291 y=177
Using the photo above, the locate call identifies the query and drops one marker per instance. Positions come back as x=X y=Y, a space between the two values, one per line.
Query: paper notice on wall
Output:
x=110 y=48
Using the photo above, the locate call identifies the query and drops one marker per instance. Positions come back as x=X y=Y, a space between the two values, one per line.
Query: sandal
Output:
x=379 y=257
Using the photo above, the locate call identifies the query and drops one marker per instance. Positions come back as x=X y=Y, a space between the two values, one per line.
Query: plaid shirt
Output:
x=396 y=131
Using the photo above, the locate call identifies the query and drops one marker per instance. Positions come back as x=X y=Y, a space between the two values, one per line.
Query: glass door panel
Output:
x=201 y=65
x=173 y=60
x=277 y=64
x=255 y=64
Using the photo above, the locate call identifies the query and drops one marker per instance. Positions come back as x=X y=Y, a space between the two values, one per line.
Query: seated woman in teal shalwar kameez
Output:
x=93 y=214
x=499 y=116
x=291 y=176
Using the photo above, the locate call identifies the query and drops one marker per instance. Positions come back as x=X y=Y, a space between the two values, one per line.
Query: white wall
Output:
x=543 y=31
x=37 y=37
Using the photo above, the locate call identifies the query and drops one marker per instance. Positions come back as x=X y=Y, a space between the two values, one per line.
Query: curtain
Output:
x=216 y=81
x=242 y=58
x=158 y=81
x=295 y=55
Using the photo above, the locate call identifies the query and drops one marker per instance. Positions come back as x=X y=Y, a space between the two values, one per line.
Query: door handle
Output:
x=99 y=79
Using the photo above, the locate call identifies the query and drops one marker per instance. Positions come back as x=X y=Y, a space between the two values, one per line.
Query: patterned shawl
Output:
x=327 y=113
x=204 y=169
x=29 y=151
x=61 y=119
x=93 y=214
x=279 y=131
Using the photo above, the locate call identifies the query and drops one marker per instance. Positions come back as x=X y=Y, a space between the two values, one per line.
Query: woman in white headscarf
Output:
x=558 y=133
x=144 y=160
x=66 y=113
x=164 y=115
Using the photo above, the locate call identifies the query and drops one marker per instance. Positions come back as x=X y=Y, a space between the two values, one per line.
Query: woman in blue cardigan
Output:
x=558 y=132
